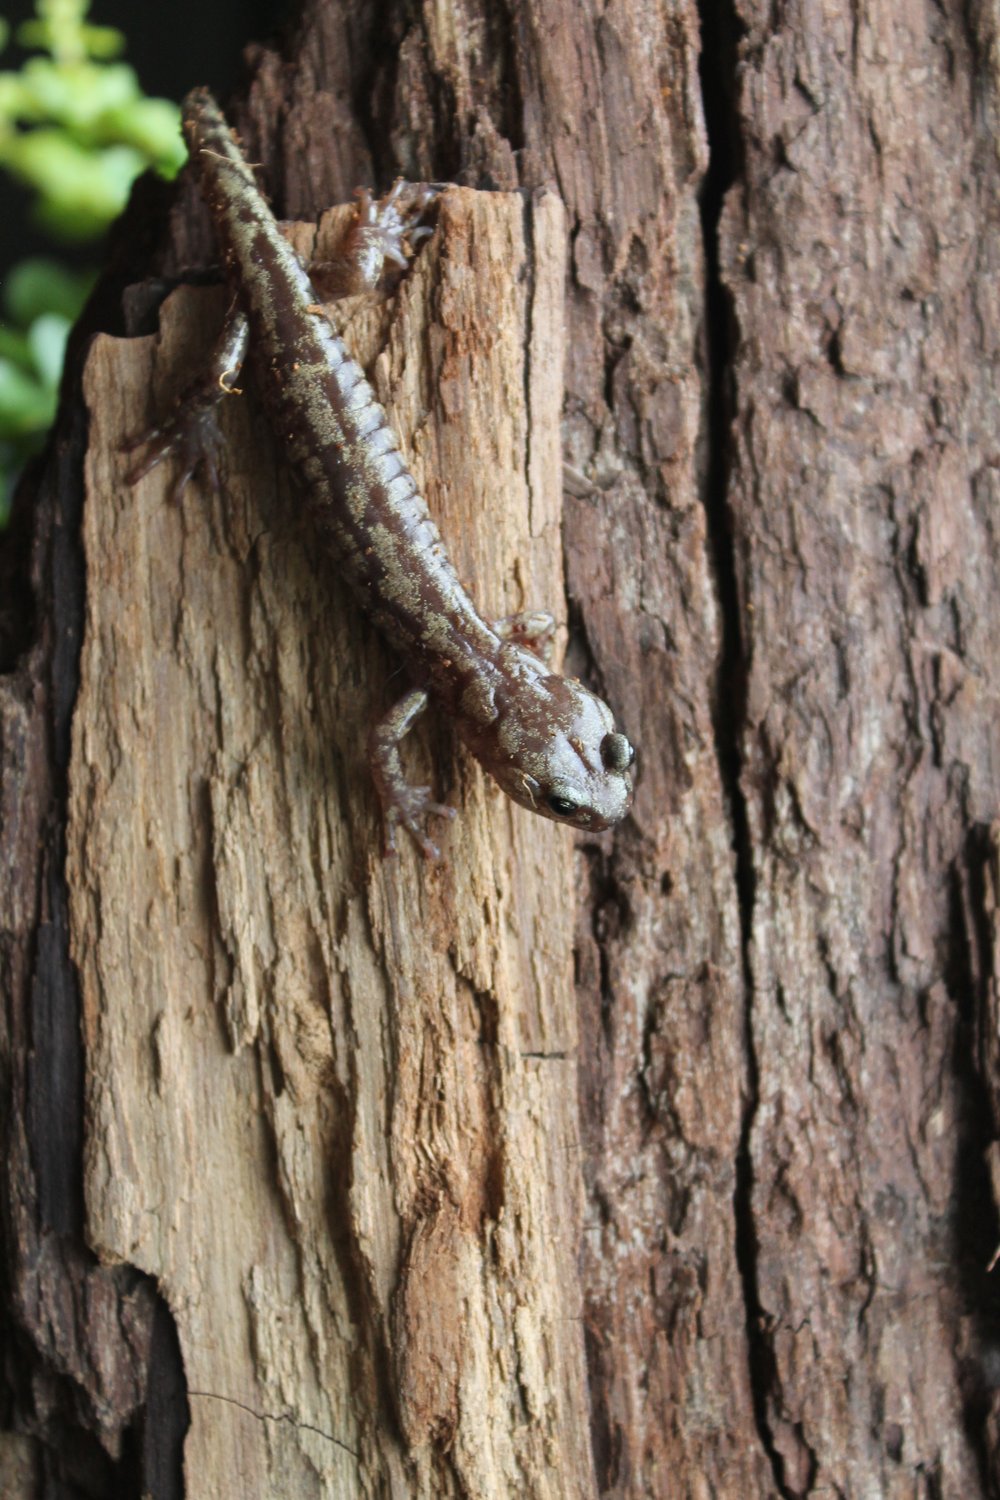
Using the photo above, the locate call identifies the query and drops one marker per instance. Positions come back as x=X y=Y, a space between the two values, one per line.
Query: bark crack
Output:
x=721 y=31
x=277 y=1416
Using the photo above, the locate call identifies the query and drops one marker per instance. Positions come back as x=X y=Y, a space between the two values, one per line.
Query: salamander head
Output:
x=554 y=748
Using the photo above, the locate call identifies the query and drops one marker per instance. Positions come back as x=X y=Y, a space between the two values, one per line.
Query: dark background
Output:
x=171 y=47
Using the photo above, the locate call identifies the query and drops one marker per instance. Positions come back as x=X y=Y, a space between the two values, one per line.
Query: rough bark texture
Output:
x=660 y=1165
x=860 y=251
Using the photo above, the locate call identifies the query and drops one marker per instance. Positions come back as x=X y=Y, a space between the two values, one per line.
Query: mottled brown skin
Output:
x=548 y=741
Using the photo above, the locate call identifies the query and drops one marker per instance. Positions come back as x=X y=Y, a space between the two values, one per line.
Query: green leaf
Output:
x=77 y=128
x=81 y=191
x=26 y=406
x=76 y=95
x=153 y=126
x=47 y=340
x=38 y=285
x=14 y=98
x=60 y=28
x=14 y=345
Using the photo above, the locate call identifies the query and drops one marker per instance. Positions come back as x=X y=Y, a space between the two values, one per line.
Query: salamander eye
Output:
x=561 y=805
x=616 y=752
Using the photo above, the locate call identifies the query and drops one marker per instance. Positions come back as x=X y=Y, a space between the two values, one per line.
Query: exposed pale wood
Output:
x=331 y=1101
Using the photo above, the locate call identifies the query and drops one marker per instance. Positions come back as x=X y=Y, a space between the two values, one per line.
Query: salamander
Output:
x=550 y=743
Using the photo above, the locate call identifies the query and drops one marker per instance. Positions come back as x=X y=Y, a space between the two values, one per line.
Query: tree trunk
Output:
x=651 y=1164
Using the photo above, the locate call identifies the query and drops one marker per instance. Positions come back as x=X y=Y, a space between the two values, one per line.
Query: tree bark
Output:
x=860 y=253
x=656 y=1164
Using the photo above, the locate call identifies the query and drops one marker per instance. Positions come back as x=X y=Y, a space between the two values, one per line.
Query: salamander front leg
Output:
x=385 y=230
x=191 y=432
x=534 y=629
x=401 y=802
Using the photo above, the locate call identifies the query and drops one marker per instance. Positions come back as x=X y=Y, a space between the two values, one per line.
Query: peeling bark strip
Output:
x=340 y=1154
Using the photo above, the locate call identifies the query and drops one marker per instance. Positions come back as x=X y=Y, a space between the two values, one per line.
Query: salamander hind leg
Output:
x=402 y=803
x=385 y=231
x=191 y=431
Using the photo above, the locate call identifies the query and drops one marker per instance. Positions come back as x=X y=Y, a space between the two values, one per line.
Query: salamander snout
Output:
x=561 y=755
x=587 y=795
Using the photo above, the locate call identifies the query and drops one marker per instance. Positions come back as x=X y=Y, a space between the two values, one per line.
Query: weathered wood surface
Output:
x=347 y=1148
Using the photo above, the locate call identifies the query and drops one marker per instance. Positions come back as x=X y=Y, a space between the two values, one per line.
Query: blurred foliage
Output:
x=75 y=126
x=76 y=130
x=39 y=304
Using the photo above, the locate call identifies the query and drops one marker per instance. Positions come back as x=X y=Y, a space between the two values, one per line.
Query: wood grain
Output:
x=331 y=1102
